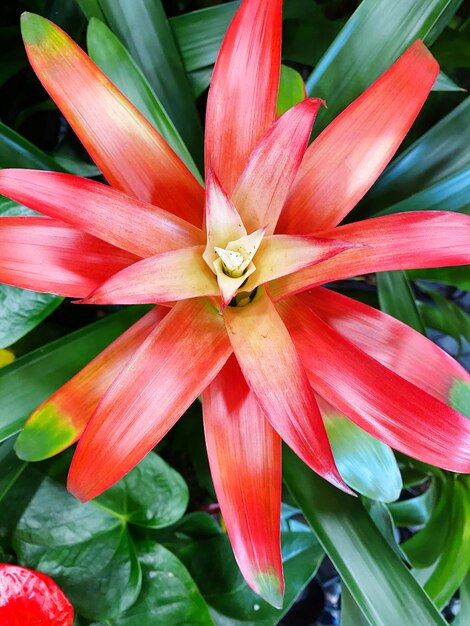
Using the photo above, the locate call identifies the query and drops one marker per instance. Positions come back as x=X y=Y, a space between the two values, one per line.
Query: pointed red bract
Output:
x=29 y=598
x=273 y=371
x=173 y=366
x=175 y=275
x=346 y=159
x=48 y=256
x=242 y=98
x=394 y=344
x=128 y=150
x=59 y=421
x=265 y=182
x=100 y=211
x=376 y=399
x=245 y=458
x=392 y=242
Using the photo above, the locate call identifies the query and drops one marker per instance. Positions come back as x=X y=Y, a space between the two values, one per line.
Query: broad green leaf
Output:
x=87 y=550
x=437 y=155
x=11 y=467
x=424 y=548
x=16 y=151
x=396 y=298
x=383 y=519
x=112 y=57
x=365 y=463
x=414 y=511
x=377 y=33
x=457 y=276
x=291 y=90
x=91 y=8
x=152 y=495
x=351 y=614
x=450 y=194
x=199 y=34
x=143 y=28
x=379 y=582
x=169 y=596
x=209 y=559
x=465 y=601
x=444 y=83
x=454 y=562
x=31 y=379
x=200 y=80
x=21 y=310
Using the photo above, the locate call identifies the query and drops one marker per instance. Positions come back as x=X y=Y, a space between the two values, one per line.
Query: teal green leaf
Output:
x=169 y=596
x=379 y=582
x=365 y=463
x=450 y=194
x=454 y=562
x=31 y=379
x=143 y=28
x=396 y=298
x=291 y=90
x=444 y=83
x=437 y=155
x=373 y=38
x=114 y=60
x=207 y=554
x=152 y=495
x=199 y=34
x=87 y=550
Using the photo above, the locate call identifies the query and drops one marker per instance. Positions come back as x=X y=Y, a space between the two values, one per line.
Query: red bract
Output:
x=233 y=330
x=29 y=598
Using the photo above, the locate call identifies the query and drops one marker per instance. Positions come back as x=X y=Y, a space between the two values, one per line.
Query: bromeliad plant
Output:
x=238 y=268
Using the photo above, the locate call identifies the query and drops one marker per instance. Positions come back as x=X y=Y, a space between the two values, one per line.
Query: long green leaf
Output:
x=396 y=298
x=112 y=57
x=16 y=151
x=438 y=154
x=31 y=379
x=379 y=582
x=351 y=614
x=373 y=38
x=450 y=194
x=200 y=33
x=457 y=276
x=143 y=28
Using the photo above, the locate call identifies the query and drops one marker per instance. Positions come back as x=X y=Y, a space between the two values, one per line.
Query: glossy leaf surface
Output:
x=396 y=299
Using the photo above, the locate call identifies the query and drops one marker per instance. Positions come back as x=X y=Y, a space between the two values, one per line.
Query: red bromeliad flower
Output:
x=233 y=265
x=29 y=598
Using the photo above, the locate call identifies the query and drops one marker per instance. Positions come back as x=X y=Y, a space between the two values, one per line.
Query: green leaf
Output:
x=111 y=56
x=291 y=90
x=450 y=194
x=91 y=8
x=87 y=550
x=373 y=38
x=424 y=548
x=351 y=614
x=207 y=554
x=465 y=601
x=152 y=495
x=446 y=316
x=199 y=34
x=396 y=298
x=365 y=463
x=454 y=562
x=451 y=49
x=457 y=276
x=11 y=467
x=379 y=582
x=143 y=28
x=444 y=83
x=200 y=80
x=31 y=379
x=415 y=511
x=21 y=310
x=169 y=596
x=437 y=155
x=16 y=151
